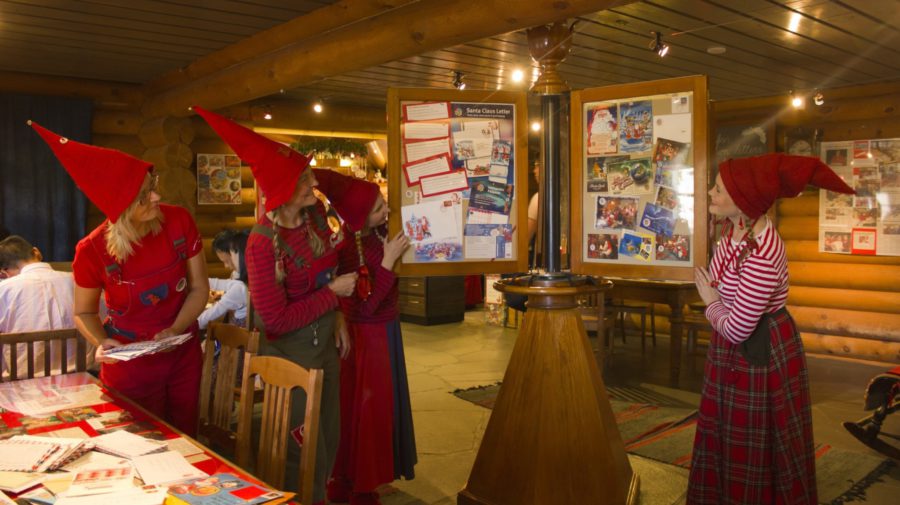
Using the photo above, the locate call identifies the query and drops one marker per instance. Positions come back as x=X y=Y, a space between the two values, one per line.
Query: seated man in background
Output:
x=34 y=297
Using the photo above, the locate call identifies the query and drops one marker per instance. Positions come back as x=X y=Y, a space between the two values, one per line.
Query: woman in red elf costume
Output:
x=292 y=264
x=146 y=259
x=377 y=442
x=754 y=441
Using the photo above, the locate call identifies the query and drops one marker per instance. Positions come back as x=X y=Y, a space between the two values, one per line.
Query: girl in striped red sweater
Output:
x=754 y=440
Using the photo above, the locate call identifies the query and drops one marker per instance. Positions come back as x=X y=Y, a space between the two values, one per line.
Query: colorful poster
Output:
x=636 y=246
x=616 y=212
x=673 y=248
x=630 y=177
x=604 y=246
x=218 y=179
x=491 y=197
x=659 y=220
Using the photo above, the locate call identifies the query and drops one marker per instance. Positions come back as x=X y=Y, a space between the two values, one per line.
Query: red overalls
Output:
x=168 y=383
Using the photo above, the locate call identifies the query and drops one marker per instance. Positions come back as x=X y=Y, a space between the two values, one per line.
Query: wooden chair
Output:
x=55 y=352
x=598 y=319
x=622 y=308
x=279 y=377
x=217 y=397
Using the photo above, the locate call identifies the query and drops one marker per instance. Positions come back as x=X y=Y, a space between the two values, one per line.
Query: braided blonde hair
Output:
x=316 y=244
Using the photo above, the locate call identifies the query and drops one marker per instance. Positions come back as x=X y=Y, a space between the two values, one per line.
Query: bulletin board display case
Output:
x=639 y=179
x=457 y=180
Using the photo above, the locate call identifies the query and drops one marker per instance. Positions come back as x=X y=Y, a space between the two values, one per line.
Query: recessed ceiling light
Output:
x=715 y=50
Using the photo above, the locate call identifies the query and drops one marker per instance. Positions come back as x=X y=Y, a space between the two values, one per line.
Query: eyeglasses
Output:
x=144 y=195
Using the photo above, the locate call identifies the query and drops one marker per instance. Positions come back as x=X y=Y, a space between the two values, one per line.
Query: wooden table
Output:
x=16 y=423
x=675 y=294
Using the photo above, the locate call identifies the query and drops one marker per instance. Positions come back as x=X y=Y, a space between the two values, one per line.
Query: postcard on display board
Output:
x=635 y=126
x=602 y=129
x=598 y=172
x=431 y=221
x=487 y=128
x=491 y=197
x=489 y=241
x=479 y=217
x=836 y=241
x=426 y=111
x=670 y=154
x=616 y=212
x=478 y=167
x=673 y=248
x=659 y=220
x=631 y=177
x=674 y=127
x=666 y=198
x=438 y=164
x=426 y=131
x=636 y=245
x=420 y=150
x=603 y=246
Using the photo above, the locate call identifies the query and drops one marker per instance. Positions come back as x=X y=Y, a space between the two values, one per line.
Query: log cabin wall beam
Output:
x=318 y=22
x=105 y=94
x=406 y=31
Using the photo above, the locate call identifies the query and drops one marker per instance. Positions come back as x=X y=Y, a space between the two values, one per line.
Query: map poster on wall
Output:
x=868 y=222
x=638 y=158
x=456 y=188
x=218 y=179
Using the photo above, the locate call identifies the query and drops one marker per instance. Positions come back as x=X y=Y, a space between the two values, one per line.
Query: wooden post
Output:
x=552 y=436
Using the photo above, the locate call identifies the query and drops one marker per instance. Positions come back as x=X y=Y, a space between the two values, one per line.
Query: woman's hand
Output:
x=393 y=249
x=342 y=337
x=168 y=332
x=703 y=280
x=100 y=353
x=343 y=285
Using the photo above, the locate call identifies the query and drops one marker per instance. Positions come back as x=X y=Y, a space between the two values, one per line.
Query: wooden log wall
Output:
x=843 y=304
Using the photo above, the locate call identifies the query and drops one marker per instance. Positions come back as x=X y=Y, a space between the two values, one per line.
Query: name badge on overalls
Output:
x=182 y=283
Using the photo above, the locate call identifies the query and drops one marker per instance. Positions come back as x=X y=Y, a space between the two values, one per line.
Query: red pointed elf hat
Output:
x=275 y=166
x=111 y=179
x=353 y=199
x=755 y=183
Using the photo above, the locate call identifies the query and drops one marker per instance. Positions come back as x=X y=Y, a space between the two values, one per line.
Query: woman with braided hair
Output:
x=292 y=263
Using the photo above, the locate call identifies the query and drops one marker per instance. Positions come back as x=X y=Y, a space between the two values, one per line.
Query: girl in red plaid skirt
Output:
x=754 y=441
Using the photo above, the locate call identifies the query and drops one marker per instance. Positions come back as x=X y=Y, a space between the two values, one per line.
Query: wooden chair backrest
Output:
x=594 y=312
x=279 y=377
x=54 y=345
x=217 y=399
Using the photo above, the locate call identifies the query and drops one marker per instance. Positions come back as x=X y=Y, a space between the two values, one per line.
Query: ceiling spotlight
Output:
x=535 y=126
x=458 y=80
x=796 y=100
x=518 y=75
x=317 y=106
x=267 y=113
x=658 y=46
x=818 y=98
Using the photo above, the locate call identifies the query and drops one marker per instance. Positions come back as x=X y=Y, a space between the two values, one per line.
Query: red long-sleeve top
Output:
x=381 y=305
x=295 y=303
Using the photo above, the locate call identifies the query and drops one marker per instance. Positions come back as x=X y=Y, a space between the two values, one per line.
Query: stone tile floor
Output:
x=461 y=355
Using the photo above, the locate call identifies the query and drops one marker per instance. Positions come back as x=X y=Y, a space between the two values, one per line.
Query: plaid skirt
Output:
x=754 y=442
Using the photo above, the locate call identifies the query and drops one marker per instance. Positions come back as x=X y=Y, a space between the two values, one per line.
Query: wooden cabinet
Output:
x=432 y=300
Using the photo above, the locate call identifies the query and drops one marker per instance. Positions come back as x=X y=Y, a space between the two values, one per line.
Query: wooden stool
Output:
x=623 y=308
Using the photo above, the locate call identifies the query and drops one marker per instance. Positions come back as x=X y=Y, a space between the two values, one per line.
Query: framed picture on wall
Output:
x=801 y=141
x=638 y=160
x=741 y=140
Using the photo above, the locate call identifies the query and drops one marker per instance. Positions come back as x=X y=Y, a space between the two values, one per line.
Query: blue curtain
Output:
x=38 y=199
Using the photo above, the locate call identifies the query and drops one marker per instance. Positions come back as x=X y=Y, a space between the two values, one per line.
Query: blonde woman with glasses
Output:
x=146 y=258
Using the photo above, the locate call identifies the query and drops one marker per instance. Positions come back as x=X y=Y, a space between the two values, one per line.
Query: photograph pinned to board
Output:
x=635 y=126
x=666 y=198
x=488 y=241
x=598 y=172
x=863 y=241
x=636 y=245
x=616 y=212
x=603 y=246
x=673 y=247
x=630 y=177
x=659 y=220
x=219 y=179
x=602 y=129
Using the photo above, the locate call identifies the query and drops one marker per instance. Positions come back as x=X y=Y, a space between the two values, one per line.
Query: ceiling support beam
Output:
x=411 y=29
